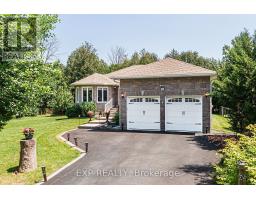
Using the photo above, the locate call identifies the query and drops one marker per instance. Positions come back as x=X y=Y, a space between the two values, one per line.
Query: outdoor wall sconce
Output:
x=122 y=95
x=182 y=92
x=162 y=88
x=207 y=94
x=142 y=92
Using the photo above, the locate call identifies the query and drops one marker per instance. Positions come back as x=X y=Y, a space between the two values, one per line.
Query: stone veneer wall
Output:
x=173 y=86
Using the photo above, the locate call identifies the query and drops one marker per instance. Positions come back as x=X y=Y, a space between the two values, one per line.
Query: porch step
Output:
x=97 y=121
x=104 y=118
x=100 y=120
x=90 y=126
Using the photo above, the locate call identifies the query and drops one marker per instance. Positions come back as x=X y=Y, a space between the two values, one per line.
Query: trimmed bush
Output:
x=86 y=107
x=74 y=111
x=80 y=109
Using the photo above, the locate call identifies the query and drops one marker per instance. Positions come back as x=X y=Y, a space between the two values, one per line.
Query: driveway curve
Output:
x=138 y=158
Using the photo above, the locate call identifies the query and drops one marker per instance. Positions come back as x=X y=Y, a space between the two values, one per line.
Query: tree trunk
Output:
x=28 y=160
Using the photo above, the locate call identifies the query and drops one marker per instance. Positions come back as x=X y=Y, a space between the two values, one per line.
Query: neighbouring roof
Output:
x=168 y=67
x=95 y=79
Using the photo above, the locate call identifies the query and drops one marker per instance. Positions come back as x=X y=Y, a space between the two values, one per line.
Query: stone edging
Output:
x=83 y=153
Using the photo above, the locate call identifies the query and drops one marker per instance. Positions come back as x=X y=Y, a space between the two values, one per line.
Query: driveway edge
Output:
x=61 y=138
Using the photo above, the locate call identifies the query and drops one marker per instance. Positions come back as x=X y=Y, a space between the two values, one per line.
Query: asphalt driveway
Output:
x=139 y=158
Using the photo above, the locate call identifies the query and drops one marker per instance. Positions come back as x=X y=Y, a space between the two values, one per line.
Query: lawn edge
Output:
x=62 y=139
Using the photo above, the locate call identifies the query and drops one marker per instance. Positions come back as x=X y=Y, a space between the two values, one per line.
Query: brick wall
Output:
x=173 y=86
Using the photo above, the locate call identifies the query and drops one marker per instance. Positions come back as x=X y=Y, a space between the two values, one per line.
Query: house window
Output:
x=102 y=94
x=87 y=94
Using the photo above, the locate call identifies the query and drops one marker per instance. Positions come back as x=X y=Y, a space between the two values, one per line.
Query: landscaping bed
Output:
x=216 y=141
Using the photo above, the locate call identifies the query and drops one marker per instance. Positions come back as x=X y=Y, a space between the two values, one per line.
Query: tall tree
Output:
x=19 y=79
x=138 y=58
x=117 y=55
x=82 y=62
x=236 y=83
x=193 y=57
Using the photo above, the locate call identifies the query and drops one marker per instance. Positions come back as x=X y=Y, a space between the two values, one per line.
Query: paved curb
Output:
x=83 y=153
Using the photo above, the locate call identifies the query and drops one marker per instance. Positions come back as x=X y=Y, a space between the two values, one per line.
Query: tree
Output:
x=236 y=83
x=49 y=49
x=20 y=79
x=61 y=98
x=117 y=55
x=147 y=57
x=138 y=58
x=193 y=57
x=82 y=62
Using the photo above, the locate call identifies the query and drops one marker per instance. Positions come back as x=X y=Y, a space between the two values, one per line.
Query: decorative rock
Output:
x=28 y=161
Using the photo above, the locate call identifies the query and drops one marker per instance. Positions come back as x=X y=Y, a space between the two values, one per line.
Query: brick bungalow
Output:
x=167 y=95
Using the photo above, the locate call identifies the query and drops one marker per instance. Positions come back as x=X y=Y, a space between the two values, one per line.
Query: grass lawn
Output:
x=50 y=151
x=220 y=124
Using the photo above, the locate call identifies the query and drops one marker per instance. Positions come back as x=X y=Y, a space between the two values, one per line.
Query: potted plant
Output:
x=28 y=133
x=90 y=115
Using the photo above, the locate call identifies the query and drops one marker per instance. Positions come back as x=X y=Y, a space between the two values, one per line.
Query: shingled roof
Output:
x=95 y=79
x=164 y=68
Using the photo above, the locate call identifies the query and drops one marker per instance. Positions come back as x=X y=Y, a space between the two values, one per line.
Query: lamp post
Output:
x=44 y=173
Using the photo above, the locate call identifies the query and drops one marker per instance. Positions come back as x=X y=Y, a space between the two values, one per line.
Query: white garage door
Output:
x=143 y=113
x=183 y=113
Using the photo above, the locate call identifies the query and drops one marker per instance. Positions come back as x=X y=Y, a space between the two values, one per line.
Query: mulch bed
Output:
x=216 y=141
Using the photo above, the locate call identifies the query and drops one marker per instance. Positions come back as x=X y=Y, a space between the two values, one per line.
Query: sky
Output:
x=206 y=34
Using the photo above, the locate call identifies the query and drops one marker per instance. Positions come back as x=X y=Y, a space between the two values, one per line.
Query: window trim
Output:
x=87 y=94
x=77 y=94
x=102 y=94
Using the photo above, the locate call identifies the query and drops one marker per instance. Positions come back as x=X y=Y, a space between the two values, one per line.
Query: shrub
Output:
x=242 y=150
x=86 y=107
x=116 y=118
x=61 y=101
x=74 y=111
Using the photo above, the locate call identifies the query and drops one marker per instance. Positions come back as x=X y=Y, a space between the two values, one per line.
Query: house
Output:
x=167 y=95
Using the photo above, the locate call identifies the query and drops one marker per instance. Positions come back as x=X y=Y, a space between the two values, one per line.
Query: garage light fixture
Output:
x=122 y=95
x=207 y=94
x=162 y=87
x=182 y=92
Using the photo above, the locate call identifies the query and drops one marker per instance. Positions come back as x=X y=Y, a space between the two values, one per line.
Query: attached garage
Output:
x=181 y=93
x=143 y=113
x=183 y=113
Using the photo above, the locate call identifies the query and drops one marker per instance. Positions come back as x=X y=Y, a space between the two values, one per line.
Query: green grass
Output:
x=220 y=124
x=51 y=152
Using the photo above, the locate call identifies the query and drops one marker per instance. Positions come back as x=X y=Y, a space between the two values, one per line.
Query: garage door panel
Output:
x=143 y=115
x=183 y=115
x=183 y=127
